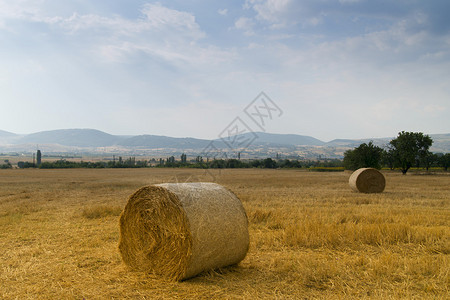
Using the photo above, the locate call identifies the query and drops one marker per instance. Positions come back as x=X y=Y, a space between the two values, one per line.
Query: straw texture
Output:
x=181 y=230
x=367 y=180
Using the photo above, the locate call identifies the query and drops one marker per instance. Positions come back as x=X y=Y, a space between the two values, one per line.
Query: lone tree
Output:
x=409 y=147
x=364 y=156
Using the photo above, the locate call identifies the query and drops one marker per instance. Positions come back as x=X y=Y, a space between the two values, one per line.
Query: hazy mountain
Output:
x=7 y=134
x=273 y=139
x=441 y=142
x=7 y=138
x=442 y=136
x=158 y=141
x=380 y=142
x=72 y=137
x=343 y=143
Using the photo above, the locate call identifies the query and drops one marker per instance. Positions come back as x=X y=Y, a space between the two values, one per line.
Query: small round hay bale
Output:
x=180 y=230
x=367 y=180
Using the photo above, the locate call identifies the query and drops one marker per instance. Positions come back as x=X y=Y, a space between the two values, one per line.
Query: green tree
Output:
x=256 y=163
x=269 y=163
x=233 y=163
x=444 y=161
x=387 y=158
x=428 y=160
x=408 y=147
x=217 y=164
x=364 y=156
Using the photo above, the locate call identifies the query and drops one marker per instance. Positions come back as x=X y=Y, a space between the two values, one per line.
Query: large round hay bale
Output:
x=367 y=180
x=179 y=230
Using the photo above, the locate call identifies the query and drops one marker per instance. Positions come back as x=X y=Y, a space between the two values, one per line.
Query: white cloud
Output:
x=280 y=14
x=245 y=24
x=168 y=34
x=269 y=10
x=158 y=16
x=19 y=9
x=272 y=11
x=223 y=12
x=26 y=10
x=155 y=19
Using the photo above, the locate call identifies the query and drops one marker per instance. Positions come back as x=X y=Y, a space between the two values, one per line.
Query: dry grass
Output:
x=101 y=211
x=311 y=237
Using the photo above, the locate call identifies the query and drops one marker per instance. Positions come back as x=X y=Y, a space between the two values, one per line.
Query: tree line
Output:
x=199 y=163
x=408 y=149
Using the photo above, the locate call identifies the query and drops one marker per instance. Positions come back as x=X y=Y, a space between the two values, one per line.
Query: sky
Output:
x=190 y=68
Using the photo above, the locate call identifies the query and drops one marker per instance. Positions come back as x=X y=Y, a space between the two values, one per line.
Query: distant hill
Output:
x=344 y=143
x=274 y=139
x=7 y=134
x=72 y=137
x=441 y=142
x=7 y=137
x=442 y=136
x=158 y=141
x=265 y=139
x=380 y=142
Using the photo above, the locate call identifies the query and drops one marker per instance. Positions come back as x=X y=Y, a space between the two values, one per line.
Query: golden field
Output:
x=311 y=236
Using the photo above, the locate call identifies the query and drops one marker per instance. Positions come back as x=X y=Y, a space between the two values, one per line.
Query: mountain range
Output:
x=83 y=140
x=97 y=138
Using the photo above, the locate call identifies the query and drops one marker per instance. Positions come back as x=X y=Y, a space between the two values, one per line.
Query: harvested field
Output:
x=310 y=236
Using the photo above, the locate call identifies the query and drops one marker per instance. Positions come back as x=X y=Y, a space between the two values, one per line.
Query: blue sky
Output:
x=337 y=69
